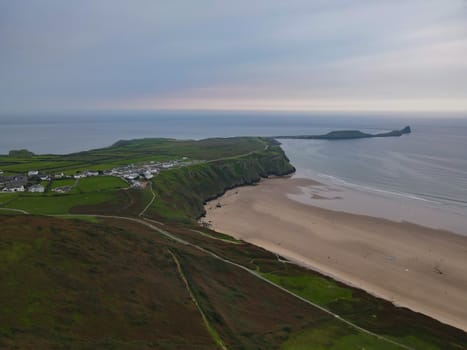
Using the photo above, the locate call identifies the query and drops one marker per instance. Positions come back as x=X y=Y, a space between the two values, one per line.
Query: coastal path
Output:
x=177 y=239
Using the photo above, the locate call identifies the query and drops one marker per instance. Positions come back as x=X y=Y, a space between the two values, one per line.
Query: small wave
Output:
x=341 y=182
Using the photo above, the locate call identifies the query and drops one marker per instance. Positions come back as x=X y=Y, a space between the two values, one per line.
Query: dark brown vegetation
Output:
x=74 y=284
x=372 y=313
x=81 y=285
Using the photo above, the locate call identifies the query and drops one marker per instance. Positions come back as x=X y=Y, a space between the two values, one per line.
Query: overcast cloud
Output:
x=257 y=54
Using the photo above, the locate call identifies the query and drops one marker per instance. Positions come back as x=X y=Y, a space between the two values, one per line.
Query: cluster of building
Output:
x=15 y=183
x=87 y=173
x=135 y=175
x=29 y=182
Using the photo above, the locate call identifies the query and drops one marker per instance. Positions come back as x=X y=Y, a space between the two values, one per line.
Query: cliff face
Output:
x=182 y=192
x=406 y=130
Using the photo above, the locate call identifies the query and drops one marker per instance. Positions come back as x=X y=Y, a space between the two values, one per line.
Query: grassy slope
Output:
x=134 y=151
x=62 y=183
x=7 y=197
x=75 y=285
x=58 y=203
x=100 y=183
x=355 y=305
x=80 y=285
x=181 y=193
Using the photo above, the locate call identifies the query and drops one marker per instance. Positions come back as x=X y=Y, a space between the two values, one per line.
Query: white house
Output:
x=131 y=176
x=148 y=175
x=45 y=177
x=59 y=175
x=36 y=188
x=79 y=176
x=13 y=189
x=92 y=173
x=33 y=173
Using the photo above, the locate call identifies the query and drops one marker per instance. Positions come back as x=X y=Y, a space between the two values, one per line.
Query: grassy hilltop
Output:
x=218 y=164
x=150 y=278
x=133 y=151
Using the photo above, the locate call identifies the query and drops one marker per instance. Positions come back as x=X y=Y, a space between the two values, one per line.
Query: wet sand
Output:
x=417 y=267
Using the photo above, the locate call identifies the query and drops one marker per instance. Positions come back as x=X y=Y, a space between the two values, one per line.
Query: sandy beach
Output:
x=417 y=267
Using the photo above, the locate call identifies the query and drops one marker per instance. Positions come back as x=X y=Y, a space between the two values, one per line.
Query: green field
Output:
x=133 y=152
x=7 y=197
x=62 y=183
x=100 y=183
x=58 y=203
x=4 y=211
x=322 y=291
x=324 y=338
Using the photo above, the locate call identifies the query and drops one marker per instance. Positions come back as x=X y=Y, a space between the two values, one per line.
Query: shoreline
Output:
x=413 y=266
x=383 y=204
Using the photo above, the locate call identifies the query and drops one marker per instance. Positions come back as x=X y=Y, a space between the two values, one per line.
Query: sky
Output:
x=292 y=55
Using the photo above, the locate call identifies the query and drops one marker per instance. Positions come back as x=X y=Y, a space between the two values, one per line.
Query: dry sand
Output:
x=413 y=266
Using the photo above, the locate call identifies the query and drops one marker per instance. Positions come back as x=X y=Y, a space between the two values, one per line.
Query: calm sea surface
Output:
x=421 y=177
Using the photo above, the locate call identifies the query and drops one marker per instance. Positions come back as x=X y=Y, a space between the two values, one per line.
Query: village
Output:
x=35 y=181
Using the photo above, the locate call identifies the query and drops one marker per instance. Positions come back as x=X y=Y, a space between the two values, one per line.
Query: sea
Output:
x=419 y=178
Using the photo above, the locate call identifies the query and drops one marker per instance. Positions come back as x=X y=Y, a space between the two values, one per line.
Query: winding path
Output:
x=251 y=272
x=16 y=210
x=150 y=202
x=212 y=331
x=177 y=239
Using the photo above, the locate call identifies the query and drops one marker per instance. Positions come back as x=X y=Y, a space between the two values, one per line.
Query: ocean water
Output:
x=421 y=177
x=73 y=133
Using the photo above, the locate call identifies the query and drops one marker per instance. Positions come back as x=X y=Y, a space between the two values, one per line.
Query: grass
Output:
x=62 y=183
x=44 y=183
x=100 y=183
x=73 y=281
x=9 y=212
x=182 y=192
x=59 y=203
x=22 y=165
x=322 y=291
x=7 y=197
x=212 y=331
x=331 y=336
x=216 y=235
x=371 y=313
x=70 y=284
x=133 y=151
